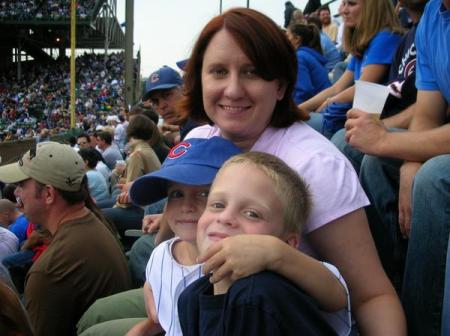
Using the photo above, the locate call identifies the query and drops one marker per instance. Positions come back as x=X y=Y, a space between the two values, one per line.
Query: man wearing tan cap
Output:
x=84 y=261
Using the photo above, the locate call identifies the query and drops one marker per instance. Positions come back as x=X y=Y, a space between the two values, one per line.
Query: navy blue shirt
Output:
x=261 y=304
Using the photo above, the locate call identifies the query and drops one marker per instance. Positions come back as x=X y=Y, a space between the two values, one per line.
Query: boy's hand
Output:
x=239 y=256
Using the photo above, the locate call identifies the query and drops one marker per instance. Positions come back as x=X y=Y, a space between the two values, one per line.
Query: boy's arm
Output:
x=150 y=326
x=230 y=257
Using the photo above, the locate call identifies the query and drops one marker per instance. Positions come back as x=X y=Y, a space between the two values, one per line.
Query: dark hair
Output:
x=267 y=47
x=141 y=127
x=315 y=21
x=83 y=195
x=322 y=8
x=8 y=192
x=90 y=155
x=417 y=6
x=309 y=34
x=148 y=111
x=84 y=135
x=105 y=136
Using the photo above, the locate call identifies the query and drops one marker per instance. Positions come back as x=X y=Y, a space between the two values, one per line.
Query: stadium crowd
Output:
x=40 y=99
x=26 y=10
x=200 y=217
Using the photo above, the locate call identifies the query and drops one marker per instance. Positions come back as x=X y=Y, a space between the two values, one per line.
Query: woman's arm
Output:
x=347 y=243
x=317 y=102
x=230 y=257
x=371 y=73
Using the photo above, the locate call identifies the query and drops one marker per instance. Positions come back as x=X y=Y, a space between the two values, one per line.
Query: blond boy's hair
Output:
x=289 y=186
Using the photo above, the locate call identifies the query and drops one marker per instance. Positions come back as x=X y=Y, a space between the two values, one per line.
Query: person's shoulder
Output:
x=386 y=35
x=301 y=138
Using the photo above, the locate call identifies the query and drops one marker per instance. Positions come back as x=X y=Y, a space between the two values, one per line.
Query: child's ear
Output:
x=292 y=239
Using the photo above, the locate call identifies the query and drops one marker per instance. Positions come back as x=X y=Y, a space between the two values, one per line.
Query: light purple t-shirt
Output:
x=333 y=182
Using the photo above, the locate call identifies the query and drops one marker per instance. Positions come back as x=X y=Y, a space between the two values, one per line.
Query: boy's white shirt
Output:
x=167 y=279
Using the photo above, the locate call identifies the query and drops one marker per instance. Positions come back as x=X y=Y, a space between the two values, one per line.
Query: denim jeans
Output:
x=422 y=287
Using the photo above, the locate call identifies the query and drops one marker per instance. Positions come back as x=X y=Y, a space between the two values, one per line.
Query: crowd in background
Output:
x=24 y=10
x=41 y=97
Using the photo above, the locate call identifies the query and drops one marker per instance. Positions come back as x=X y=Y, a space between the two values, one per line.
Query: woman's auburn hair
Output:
x=376 y=15
x=266 y=46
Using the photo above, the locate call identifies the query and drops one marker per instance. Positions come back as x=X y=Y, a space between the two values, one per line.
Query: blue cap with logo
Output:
x=163 y=78
x=192 y=162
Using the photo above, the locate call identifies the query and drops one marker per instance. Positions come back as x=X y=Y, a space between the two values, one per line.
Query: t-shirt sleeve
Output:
x=351 y=65
x=425 y=80
x=382 y=48
x=336 y=191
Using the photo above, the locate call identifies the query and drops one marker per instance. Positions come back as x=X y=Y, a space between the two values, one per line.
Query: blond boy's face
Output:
x=185 y=205
x=242 y=200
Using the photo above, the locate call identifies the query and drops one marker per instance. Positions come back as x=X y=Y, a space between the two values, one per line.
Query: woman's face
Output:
x=351 y=12
x=235 y=97
x=294 y=39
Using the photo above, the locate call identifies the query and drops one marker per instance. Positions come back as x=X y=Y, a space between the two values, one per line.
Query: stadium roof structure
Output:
x=97 y=30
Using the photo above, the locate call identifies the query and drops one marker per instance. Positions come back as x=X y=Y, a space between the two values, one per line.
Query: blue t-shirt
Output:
x=312 y=76
x=433 y=50
x=97 y=185
x=380 y=50
x=330 y=51
x=264 y=303
x=19 y=228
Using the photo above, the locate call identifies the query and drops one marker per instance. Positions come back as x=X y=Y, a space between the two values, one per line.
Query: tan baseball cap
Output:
x=48 y=163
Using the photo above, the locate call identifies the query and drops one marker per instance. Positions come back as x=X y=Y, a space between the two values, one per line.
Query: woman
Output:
x=371 y=36
x=233 y=82
x=312 y=76
x=98 y=187
x=141 y=160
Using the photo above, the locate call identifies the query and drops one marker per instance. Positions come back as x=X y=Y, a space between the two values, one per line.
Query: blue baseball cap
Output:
x=163 y=78
x=192 y=162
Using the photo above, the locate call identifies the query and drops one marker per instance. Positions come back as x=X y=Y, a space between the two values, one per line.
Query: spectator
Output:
x=9 y=243
x=268 y=122
x=399 y=107
x=98 y=187
x=330 y=51
x=83 y=142
x=312 y=76
x=372 y=43
x=109 y=151
x=289 y=10
x=61 y=284
x=142 y=160
x=328 y=27
x=13 y=219
x=257 y=305
x=163 y=90
x=406 y=176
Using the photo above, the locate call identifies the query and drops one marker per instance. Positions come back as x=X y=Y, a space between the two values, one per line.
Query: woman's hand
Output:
x=240 y=256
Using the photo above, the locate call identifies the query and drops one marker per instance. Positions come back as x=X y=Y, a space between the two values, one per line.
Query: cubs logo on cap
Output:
x=192 y=162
